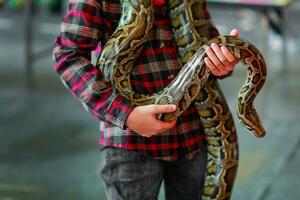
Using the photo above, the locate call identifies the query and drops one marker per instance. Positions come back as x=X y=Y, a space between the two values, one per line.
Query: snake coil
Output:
x=192 y=84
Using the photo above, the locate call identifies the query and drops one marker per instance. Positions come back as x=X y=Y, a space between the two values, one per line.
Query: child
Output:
x=139 y=151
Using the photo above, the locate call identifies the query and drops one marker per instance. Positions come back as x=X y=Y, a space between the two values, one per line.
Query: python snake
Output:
x=194 y=82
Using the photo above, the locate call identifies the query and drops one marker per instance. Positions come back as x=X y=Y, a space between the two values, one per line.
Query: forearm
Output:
x=80 y=34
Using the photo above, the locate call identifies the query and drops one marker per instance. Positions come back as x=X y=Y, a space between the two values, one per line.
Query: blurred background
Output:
x=49 y=143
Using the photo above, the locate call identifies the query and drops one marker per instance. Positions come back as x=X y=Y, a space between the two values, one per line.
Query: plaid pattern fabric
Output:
x=89 y=23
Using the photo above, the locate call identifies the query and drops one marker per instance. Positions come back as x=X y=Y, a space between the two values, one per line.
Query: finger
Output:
x=234 y=32
x=167 y=125
x=212 y=56
x=164 y=108
x=230 y=57
x=221 y=56
x=215 y=71
x=161 y=126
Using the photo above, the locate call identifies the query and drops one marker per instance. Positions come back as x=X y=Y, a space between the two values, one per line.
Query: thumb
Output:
x=234 y=32
x=164 y=108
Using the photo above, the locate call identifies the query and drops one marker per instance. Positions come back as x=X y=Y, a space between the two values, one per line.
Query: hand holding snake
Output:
x=220 y=60
x=143 y=119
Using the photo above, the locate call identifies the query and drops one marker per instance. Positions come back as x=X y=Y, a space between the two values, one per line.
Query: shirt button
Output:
x=162 y=45
x=171 y=77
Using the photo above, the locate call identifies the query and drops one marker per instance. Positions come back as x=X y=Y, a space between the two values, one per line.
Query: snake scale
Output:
x=194 y=82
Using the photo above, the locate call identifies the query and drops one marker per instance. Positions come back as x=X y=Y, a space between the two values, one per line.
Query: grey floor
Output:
x=49 y=144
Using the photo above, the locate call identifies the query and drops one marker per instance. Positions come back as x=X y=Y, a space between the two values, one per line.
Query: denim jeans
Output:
x=129 y=175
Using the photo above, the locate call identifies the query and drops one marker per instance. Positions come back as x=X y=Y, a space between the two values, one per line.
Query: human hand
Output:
x=220 y=60
x=143 y=121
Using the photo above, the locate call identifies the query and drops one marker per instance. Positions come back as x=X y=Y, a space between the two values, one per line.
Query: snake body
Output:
x=194 y=82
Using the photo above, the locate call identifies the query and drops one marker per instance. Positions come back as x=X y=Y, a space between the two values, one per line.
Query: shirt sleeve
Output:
x=81 y=31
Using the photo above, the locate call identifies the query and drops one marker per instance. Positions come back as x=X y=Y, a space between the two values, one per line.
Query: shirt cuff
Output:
x=118 y=111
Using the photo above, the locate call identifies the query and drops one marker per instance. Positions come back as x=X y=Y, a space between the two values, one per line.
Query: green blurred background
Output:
x=49 y=143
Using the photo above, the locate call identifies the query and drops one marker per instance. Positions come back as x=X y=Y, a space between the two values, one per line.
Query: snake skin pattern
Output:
x=194 y=82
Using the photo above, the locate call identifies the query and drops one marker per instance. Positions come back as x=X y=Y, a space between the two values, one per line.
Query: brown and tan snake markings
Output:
x=194 y=82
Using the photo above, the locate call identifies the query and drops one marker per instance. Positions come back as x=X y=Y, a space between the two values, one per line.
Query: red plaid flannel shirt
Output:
x=89 y=23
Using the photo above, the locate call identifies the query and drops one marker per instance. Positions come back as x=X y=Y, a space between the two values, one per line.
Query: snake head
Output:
x=252 y=122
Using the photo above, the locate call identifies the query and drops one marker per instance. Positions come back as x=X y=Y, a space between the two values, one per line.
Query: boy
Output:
x=139 y=151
